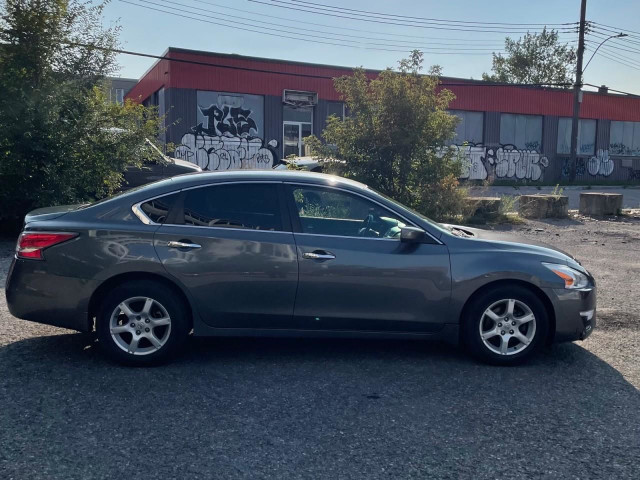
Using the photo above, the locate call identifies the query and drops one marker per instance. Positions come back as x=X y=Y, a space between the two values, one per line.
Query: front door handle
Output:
x=318 y=255
x=174 y=244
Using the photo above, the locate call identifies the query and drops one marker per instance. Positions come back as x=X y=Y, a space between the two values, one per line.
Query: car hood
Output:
x=506 y=239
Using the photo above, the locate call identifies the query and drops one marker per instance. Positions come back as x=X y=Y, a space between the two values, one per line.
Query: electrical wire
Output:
x=318 y=38
x=342 y=27
x=426 y=25
x=258 y=23
x=432 y=19
x=608 y=57
x=283 y=35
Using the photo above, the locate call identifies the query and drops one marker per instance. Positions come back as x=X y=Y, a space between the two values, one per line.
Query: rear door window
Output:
x=253 y=206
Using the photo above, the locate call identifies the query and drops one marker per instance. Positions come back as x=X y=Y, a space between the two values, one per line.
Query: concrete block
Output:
x=485 y=207
x=599 y=204
x=544 y=206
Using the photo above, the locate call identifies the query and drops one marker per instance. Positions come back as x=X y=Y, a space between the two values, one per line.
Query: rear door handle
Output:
x=318 y=255
x=174 y=244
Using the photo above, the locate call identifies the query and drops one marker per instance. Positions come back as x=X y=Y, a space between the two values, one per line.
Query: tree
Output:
x=534 y=58
x=393 y=137
x=60 y=140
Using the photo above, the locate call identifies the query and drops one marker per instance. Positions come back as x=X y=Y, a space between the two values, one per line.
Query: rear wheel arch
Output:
x=510 y=283
x=105 y=287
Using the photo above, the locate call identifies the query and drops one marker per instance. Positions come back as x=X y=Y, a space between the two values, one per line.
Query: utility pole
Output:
x=577 y=94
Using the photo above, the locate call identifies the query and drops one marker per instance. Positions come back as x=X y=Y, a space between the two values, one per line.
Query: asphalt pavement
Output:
x=316 y=409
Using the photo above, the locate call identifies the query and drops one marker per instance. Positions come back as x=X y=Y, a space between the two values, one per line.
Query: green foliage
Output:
x=534 y=58
x=393 y=138
x=60 y=140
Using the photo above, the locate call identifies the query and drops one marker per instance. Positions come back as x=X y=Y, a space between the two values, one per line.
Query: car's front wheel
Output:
x=142 y=323
x=505 y=325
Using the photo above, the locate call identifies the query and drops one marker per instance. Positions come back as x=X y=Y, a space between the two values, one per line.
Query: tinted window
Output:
x=470 y=127
x=326 y=211
x=158 y=208
x=252 y=206
x=625 y=138
x=335 y=108
x=586 y=136
x=522 y=131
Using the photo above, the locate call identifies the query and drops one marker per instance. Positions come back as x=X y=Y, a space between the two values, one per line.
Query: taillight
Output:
x=30 y=245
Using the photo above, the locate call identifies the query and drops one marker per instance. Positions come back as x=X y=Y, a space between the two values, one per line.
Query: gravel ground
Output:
x=266 y=408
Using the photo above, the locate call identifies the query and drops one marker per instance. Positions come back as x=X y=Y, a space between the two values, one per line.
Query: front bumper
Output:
x=575 y=313
x=39 y=296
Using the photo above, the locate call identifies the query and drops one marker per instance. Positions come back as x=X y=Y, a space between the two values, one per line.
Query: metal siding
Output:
x=181 y=105
x=273 y=120
x=320 y=118
x=603 y=130
x=491 y=129
x=549 y=147
x=279 y=75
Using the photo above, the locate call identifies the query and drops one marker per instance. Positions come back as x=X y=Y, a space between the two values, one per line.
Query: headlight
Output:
x=572 y=278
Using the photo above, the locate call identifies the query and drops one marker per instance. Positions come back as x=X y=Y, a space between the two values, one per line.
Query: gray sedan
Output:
x=288 y=254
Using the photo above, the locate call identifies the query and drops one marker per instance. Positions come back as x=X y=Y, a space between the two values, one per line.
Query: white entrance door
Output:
x=292 y=135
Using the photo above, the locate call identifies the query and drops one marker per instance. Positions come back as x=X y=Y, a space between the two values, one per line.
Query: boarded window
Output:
x=522 y=131
x=469 y=129
x=625 y=138
x=586 y=136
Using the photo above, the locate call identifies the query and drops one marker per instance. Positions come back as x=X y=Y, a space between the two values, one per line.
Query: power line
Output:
x=281 y=34
x=608 y=57
x=616 y=28
x=449 y=41
x=259 y=23
x=614 y=90
x=431 y=19
x=621 y=57
x=611 y=45
x=291 y=6
x=610 y=31
x=341 y=27
x=319 y=38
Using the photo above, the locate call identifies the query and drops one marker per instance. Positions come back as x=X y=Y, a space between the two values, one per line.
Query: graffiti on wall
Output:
x=599 y=164
x=506 y=161
x=227 y=134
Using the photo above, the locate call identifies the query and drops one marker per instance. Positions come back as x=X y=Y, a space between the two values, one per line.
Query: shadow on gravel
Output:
x=312 y=408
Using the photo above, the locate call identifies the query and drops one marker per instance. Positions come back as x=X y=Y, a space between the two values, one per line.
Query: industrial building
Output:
x=230 y=111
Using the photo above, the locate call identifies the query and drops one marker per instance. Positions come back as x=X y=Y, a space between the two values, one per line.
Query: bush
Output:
x=393 y=138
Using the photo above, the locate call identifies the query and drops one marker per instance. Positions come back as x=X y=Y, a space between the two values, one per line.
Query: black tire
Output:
x=164 y=298
x=475 y=313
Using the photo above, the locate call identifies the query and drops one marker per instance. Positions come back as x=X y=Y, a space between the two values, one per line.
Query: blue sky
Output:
x=149 y=31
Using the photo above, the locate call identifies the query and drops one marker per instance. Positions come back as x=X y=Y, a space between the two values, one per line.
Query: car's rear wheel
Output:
x=505 y=325
x=142 y=323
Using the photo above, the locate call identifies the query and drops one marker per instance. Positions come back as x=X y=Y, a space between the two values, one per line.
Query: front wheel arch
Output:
x=508 y=283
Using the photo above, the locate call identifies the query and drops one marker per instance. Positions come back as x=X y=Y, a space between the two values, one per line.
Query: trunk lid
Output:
x=49 y=213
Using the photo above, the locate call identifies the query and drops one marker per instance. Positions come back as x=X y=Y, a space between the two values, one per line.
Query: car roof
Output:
x=182 y=181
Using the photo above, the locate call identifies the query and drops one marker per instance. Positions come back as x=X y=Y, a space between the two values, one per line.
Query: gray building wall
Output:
x=499 y=163
x=117 y=83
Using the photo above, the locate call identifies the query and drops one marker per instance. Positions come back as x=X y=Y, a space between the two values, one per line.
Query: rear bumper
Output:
x=39 y=296
x=575 y=313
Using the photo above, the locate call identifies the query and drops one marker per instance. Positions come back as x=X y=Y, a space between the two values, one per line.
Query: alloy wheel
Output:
x=140 y=325
x=507 y=327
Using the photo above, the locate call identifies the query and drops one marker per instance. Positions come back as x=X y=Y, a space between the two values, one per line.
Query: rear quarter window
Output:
x=158 y=209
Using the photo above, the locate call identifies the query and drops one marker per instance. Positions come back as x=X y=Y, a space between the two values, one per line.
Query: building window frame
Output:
x=526 y=117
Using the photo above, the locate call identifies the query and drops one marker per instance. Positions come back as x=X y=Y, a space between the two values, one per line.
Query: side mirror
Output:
x=412 y=235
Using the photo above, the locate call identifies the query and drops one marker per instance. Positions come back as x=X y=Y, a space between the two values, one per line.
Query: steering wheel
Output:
x=366 y=230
